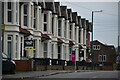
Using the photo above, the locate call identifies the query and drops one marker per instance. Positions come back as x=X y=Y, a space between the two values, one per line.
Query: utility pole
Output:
x=118 y=45
x=92 y=63
x=0 y=40
x=92 y=57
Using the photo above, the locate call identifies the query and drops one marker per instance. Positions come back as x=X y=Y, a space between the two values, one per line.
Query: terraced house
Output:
x=56 y=32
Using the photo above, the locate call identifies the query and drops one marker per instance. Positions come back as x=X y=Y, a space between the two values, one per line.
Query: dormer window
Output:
x=25 y=14
x=9 y=11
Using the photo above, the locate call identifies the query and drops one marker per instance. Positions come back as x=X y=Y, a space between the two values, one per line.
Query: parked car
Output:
x=8 y=65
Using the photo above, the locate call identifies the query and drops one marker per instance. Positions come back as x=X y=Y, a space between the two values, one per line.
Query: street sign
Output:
x=28 y=44
x=73 y=56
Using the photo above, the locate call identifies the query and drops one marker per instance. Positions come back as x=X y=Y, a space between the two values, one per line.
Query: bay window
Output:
x=9 y=46
x=45 y=50
x=59 y=27
x=25 y=14
x=70 y=53
x=9 y=11
x=45 y=22
x=59 y=51
x=35 y=13
x=70 y=32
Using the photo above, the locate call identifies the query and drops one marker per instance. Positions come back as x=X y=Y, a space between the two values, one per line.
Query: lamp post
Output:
x=92 y=39
x=0 y=40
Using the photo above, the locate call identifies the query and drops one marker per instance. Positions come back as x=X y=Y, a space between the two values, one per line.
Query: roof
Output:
x=75 y=18
x=45 y=37
x=24 y=31
x=60 y=41
x=69 y=11
x=64 y=11
x=103 y=43
x=57 y=8
x=71 y=42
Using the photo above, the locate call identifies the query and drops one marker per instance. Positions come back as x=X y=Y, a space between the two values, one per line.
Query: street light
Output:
x=0 y=41
x=92 y=37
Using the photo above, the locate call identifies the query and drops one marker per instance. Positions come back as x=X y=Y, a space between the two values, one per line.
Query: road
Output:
x=93 y=74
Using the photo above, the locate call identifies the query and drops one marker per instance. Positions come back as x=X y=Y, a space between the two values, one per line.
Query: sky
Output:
x=105 y=23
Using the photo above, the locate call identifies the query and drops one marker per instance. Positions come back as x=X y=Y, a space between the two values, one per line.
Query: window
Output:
x=52 y=46
x=16 y=45
x=65 y=30
x=25 y=15
x=21 y=47
x=53 y=25
x=39 y=18
x=2 y=40
x=59 y=51
x=35 y=13
x=45 y=22
x=70 y=53
x=70 y=31
x=102 y=58
x=96 y=47
x=17 y=12
x=45 y=50
x=31 y=14
x=9 y=46
x=9 y=12
x=2 y=13
x=65 y=52
x=59 y=27
x=34 y=47
x=75 y=34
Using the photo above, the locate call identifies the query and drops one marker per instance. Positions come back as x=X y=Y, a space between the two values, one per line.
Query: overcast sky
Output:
x=105 y=23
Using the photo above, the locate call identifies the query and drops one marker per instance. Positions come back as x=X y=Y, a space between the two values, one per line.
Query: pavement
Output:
x=34 y=74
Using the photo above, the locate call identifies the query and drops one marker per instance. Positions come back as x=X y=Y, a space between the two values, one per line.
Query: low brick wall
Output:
x=69 y=67
x=108 y=67
x=40 y=67
x=23 y=65
x=55 y=67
